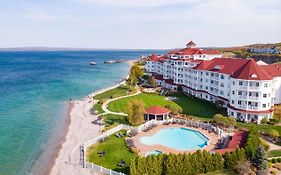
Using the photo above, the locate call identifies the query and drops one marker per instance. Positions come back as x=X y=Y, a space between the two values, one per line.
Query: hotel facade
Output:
x=248 y=89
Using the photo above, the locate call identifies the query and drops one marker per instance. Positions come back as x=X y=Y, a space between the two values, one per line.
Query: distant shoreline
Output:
x=60 y=49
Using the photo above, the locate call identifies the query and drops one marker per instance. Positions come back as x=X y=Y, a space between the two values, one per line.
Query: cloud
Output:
x=138 y=3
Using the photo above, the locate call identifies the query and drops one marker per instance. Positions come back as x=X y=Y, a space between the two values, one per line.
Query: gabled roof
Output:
x=251 y=71
x=230 y=65
x=190 y=43
x=153 y=57
x=157 y=110
x=237 y=68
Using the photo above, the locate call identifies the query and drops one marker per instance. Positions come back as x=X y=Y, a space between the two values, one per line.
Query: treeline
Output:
x=198 y=162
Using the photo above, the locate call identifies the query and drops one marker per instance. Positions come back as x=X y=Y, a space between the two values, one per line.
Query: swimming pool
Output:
x=154 y=152
x=177 y=138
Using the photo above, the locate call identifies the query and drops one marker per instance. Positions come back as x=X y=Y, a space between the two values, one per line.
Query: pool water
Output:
x=154 y=152
x=181 y=139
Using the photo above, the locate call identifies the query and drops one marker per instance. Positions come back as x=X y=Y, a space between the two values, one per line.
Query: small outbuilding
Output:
x=156 y=113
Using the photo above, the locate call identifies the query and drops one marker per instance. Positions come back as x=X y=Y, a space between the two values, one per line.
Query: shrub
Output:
x=243 y=167
x=264 y=144
x=174 y=109
x=198 y=162
x=274 y=160
x=273 y=133
x=264 y=121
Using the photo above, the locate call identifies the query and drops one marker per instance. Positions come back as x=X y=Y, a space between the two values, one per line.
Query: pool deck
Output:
x=213 y=139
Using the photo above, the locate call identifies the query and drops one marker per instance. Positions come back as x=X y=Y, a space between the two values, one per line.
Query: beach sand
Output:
x=79 y=131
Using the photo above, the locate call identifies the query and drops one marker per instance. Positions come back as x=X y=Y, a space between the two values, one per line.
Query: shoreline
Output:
x=79 y=116
x=65 y=131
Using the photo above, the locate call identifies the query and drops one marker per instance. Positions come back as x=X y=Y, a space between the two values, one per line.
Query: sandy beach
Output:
x=80 y=130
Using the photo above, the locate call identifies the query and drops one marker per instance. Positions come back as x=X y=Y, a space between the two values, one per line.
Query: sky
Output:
x=138 y=24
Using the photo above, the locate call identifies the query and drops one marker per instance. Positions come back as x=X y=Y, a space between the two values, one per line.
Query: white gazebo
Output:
x=156 y=113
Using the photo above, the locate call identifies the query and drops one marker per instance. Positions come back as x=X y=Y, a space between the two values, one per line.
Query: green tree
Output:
x=259 y=159
x=135 y=73
x=277 y=113
x=174 y=109
x=135 y=111
x=151 y=81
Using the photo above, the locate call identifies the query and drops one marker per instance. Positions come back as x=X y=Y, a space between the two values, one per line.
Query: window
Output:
x=233 y=92
x=222 y=77
x=257 y=84
x=239 y=102
x=265 y=85
x=232 y=101
x=257 y=94
x=239 y=92
x=264 y=105
x=264 y=95
x=233 y=83
x=240 y=83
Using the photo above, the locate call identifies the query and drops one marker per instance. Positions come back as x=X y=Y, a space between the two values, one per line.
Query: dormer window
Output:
x=218 y=67
x=254 y=76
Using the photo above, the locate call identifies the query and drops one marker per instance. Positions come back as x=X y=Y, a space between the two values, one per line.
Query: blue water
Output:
x=34 y=90
x=181 y=139
x=154 y=152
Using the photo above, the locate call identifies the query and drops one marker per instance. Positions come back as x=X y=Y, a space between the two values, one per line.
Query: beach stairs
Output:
x=82 y=161
x=164 y=92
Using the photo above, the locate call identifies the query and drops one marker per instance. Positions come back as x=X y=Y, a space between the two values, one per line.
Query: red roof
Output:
x=273 y=69
x=154 y=57
x=239 y=68
x=251 y=71
x=193 y=51
x=238 y=140
x=190 y=43
x=157 y=110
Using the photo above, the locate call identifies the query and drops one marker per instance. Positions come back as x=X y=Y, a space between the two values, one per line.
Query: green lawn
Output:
x=119 y=91
x=274 y=153
x=148 y=100
x=116 y=150
x=196 y=107
x=110 y=119
x=261 y=127
x=98 y=108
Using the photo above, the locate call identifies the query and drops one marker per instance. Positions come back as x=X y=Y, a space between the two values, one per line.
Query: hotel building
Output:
x=248 y=89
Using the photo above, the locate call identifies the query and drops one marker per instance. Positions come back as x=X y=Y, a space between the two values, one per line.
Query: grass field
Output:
x=111 y=119
x=119 y=91
x=116 y=150
x=261 y=127
x=148 y=100
x=274 y=153
x=196 y=107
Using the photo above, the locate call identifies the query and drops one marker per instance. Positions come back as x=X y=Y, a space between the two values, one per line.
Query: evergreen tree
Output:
x=259 y=159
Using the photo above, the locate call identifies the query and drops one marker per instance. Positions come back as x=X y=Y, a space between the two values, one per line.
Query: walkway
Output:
x=105 y=104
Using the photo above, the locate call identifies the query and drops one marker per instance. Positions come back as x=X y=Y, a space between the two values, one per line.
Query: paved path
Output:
x=105 y=104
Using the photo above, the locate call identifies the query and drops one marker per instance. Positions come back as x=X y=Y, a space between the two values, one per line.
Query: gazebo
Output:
x=156 y=113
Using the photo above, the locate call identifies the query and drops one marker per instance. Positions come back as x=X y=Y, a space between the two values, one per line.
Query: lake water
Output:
x=34 y=90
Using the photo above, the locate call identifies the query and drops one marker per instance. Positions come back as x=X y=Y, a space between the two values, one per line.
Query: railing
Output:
x=101 y=169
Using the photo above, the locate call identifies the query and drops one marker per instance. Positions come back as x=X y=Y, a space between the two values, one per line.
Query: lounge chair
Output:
x=122 y=163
